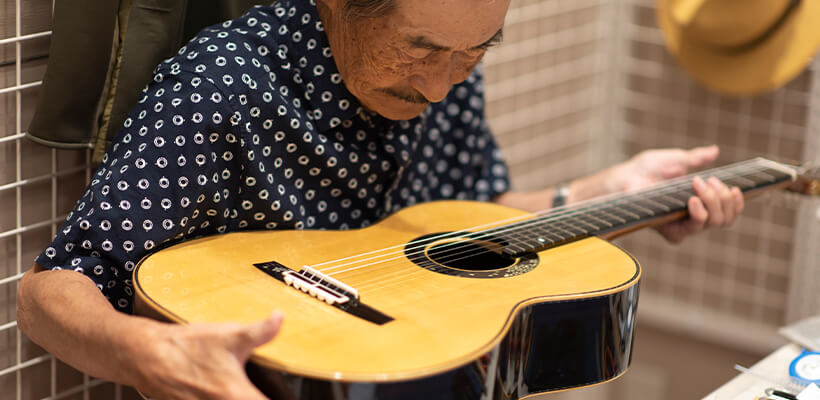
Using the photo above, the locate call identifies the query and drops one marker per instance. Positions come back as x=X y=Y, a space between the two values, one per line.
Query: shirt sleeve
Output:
x=167 y=176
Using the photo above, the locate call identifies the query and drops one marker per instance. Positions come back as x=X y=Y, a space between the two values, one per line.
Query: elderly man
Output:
x=328 y=114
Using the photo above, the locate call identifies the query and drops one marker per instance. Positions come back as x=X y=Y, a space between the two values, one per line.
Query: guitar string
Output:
x=586 y=208
x=403 y=276
x=383 y=278
x=555 y=213
x=666 y=189
x=383 y=264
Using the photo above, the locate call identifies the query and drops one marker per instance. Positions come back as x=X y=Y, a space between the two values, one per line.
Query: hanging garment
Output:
x=101 y=56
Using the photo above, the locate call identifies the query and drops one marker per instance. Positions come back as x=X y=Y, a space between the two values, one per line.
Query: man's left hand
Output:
x=715 y=205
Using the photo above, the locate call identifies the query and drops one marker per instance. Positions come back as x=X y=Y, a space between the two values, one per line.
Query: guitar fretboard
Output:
x=596 y=218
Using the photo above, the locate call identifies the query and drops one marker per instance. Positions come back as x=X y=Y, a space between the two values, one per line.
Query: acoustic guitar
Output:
x=442 y=300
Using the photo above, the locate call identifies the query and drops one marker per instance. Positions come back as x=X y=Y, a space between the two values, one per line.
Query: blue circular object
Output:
x=805 y=369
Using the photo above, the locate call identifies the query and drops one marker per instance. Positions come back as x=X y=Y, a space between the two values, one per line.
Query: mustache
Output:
x=415 y=97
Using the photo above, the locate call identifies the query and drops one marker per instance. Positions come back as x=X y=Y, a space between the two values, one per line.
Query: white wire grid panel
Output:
x=37 y=188
x=805 y=284
x=546 y=89
x=730 y=285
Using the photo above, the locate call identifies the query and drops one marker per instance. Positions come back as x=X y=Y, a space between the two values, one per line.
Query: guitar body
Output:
x=423 y=326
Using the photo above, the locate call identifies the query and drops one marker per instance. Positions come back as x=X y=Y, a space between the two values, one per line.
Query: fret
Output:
x=766 y=178
x=650 y=206
x=664 y=207
x=642 y=211
x=577 y=231
x=626 y=212
x=579 y=220
x=678 y=203
x=682 y=195
x=623 y=217
x=740 y=182
x=572 y=223
x=544 y=235
x=563 y=227
x=530 y=229
x=605 y=222
x=523 y=239
x=515 y=247
x=603 y=214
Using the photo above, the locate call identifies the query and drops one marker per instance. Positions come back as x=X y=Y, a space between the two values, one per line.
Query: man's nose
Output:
x=434 y=79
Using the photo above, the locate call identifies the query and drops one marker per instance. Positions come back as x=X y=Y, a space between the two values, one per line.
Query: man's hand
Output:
x=65 y=313
x=201 y=361
x=715 y=205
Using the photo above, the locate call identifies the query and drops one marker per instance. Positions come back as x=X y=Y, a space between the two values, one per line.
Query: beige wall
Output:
x=577 y=85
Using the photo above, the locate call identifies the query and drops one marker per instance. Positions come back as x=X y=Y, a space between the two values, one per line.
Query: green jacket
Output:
x=101 y=56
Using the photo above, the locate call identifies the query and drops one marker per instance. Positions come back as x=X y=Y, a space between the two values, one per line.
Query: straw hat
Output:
x=741 y=47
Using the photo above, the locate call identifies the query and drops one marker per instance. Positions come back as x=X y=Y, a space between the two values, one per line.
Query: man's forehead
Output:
x=449 y=24
x=423 y=42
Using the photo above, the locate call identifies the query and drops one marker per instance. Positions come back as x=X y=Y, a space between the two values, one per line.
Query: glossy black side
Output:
x=550 y=346
x=557 y=346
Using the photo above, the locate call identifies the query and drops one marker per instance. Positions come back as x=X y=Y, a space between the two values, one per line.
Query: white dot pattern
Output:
x=250 y=126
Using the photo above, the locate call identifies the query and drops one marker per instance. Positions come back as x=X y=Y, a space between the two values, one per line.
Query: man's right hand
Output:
x=65 y=313
x=201 y=361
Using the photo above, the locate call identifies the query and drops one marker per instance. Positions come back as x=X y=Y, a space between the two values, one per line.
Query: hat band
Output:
x=793 y=5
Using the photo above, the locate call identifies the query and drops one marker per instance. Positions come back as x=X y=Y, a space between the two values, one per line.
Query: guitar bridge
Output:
x=320 y=286
x=326 y=289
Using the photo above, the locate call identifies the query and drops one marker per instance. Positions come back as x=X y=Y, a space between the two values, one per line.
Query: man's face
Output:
x=397 y=64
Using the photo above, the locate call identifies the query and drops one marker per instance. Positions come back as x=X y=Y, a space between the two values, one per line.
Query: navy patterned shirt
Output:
x=250 y=126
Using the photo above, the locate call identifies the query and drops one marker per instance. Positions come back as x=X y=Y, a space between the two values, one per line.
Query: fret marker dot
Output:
x=541 y=240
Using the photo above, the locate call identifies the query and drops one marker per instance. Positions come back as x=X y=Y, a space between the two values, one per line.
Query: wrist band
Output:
x=559 y=197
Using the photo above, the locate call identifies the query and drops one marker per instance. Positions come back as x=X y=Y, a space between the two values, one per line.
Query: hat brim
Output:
x=762 y=68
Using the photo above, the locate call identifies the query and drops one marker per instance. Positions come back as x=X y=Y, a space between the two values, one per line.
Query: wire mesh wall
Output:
x=804 y=285
x=546 y=89
x=37 y=188
x=730 y=284
x=577 y=85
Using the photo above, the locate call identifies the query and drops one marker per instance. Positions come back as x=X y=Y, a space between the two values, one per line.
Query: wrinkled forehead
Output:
x=453 y=23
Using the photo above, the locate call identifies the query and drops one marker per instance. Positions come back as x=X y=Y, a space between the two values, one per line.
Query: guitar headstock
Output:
x=807 y=181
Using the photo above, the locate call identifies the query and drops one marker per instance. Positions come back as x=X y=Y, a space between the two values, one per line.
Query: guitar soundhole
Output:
x=464 y=256
x=468 y=255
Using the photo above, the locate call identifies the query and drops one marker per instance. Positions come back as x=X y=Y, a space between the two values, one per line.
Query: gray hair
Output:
x=354 y=9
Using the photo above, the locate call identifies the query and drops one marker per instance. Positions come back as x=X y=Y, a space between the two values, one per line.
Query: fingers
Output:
x=722 y=203
x=714 y=205
x=242 y=389
x=203 y=360
x=675 y=232
x=250 y=336
x=701 y=156
x=711 y=192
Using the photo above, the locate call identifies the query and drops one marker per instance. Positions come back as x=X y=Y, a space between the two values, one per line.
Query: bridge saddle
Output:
x=320 y=286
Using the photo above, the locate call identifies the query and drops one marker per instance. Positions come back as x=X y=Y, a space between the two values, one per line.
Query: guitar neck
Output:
x=615 y=215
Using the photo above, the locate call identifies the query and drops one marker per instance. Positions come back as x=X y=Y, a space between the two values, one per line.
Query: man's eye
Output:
x=418 y=53
x=478 y=51
x=474 y=53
